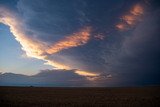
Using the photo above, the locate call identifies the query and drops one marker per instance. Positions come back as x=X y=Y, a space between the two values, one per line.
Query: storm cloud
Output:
x=139 y=53
x=111 y=42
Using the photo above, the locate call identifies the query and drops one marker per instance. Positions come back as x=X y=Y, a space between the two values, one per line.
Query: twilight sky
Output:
x=79 y=42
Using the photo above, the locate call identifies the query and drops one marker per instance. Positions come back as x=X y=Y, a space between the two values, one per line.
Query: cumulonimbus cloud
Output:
x=38 y=49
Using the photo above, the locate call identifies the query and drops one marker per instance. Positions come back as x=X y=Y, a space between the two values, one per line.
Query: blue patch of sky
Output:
x=12 y=56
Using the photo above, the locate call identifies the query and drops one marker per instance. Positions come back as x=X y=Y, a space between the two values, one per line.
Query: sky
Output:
x=79 y=42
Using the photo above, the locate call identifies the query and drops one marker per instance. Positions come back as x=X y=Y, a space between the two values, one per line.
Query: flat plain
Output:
x=79 y=97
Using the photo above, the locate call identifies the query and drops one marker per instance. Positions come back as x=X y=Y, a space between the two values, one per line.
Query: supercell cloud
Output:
x=108 y=42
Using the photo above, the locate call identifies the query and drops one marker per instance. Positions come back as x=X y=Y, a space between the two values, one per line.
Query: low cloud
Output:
x=59 y=78
x=44 y=78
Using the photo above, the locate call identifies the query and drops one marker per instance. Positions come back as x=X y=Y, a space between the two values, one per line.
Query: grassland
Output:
x=79 y=97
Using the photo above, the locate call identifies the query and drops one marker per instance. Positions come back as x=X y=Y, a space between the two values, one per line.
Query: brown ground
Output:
x=79 y=97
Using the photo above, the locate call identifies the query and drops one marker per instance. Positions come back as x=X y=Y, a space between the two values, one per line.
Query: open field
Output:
x=77 y=97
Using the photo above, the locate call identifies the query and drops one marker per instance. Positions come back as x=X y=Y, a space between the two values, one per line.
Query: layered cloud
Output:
x=59 y=78
x=45 y=78
x=38 y=49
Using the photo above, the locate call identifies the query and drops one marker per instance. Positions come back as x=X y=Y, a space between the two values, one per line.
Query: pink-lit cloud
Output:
x=77 y=39
x=132 y=18
x=37 y=49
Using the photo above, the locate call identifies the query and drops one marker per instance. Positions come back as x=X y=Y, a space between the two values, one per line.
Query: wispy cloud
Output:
x=132 y=18
x=99 y=37
x=77 y=39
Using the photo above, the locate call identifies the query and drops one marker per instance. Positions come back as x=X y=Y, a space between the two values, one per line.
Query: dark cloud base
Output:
x=56 y=78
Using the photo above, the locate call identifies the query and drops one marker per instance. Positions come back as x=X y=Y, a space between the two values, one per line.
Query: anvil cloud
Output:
x=38 y=49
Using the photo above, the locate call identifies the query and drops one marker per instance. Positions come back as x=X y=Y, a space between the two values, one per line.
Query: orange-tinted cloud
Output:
x=56 y=65
x=121 y=26
x=32 y=47
x=86 y=73
x=131 y=19
x=137 y=10
x=37 y=49
x=77 y=39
